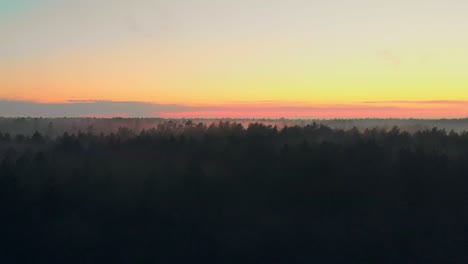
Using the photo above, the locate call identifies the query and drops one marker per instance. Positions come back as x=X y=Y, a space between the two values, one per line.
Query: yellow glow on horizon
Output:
x=285 y=71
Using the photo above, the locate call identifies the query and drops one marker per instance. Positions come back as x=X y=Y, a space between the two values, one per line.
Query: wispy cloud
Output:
x=428 y=102
x=390 y=57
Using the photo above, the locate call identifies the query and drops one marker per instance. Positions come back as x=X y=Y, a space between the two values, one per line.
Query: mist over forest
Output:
x=53 y=127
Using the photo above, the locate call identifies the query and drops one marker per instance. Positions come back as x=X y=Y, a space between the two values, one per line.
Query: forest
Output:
x=192 y=192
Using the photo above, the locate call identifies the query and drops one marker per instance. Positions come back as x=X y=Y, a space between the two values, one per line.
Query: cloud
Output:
x=390 y=57
x=427 y=102
x=90 y=108
x=10 y=108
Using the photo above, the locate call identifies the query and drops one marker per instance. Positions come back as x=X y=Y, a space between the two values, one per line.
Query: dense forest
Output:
x=229 y=193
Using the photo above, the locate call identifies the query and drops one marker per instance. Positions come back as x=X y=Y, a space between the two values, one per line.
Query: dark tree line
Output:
x=225 y=194
x=53 y=127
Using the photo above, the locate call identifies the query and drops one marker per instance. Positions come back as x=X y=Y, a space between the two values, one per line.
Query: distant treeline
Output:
x=53 y=127
x=188 y=192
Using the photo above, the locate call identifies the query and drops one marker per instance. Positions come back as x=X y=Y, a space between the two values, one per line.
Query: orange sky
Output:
x=198 y=53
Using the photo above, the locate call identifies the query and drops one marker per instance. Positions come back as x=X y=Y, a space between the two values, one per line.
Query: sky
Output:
x=245 y=58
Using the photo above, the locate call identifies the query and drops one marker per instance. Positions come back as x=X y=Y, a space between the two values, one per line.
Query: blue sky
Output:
x=13 y=7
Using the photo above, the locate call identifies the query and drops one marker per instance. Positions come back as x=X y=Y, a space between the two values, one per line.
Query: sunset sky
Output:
x=245 y=58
